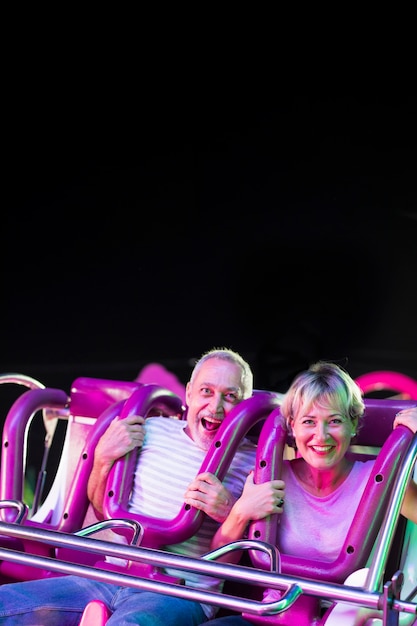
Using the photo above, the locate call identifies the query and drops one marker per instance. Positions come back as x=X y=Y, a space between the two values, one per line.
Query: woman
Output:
x=323 y=410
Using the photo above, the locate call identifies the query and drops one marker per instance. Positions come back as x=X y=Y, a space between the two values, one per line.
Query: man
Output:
x=171 y=453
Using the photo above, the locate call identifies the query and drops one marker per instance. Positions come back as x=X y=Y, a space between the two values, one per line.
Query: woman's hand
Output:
x=407 y=417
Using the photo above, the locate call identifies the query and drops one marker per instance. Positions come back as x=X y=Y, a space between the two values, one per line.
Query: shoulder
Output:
x=363 y=467
x=361 y=470
x=246 y=449
x=164 y=424
x=247 y=444
x=288 y=470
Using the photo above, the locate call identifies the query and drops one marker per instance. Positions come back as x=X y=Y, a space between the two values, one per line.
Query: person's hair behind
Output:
x=226 y=354
x=326 y=385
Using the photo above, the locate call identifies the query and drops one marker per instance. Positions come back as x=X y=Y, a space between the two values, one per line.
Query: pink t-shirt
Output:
x=316 y=527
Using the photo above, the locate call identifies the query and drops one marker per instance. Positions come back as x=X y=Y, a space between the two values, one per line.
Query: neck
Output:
x=321 y=482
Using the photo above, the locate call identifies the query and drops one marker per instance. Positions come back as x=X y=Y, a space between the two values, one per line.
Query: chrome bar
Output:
x=291 y=585
x=386 y=535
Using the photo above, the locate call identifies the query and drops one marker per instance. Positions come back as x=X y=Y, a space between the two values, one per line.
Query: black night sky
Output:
x=288 y=232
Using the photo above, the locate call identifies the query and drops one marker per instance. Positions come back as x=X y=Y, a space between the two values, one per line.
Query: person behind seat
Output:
x=323 y=409
x=170 y=455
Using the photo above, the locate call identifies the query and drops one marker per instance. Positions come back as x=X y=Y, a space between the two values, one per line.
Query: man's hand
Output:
x=207 y=493
x=121 y=437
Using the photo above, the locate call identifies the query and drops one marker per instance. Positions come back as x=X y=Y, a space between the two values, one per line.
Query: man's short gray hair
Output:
x=226 y=354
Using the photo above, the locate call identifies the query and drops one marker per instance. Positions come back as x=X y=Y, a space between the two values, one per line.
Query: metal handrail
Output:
x=386 y=535
x=292 y=586
x=50 y=420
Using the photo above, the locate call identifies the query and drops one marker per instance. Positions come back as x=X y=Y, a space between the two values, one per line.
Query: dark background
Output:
x=154 y=231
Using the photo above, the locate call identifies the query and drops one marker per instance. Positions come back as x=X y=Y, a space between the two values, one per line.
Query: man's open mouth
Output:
x=210 y=424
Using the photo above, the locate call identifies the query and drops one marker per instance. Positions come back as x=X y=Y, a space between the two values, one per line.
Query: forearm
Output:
x=409 y=507
x=232 y=529
x=121 y=437
x=96 y=487
x=256 y=502
x=408 y=417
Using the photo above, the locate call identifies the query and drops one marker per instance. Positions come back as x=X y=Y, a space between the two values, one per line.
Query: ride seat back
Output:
x=375 y=438
x=92 y=404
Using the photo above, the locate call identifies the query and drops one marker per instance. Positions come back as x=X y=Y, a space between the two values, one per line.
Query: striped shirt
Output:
x=168 y=461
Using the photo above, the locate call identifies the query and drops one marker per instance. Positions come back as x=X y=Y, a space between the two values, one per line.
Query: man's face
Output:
x=216 y=389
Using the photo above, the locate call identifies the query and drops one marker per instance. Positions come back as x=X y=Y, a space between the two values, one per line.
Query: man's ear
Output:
x=187 y=393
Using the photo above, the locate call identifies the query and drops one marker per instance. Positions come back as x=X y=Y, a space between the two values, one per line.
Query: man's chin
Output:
x=205 y=439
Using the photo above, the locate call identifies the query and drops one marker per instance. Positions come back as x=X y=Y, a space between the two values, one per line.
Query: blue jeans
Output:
x=61 y=601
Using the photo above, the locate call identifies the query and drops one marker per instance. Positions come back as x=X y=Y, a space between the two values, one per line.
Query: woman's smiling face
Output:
x=322 y=435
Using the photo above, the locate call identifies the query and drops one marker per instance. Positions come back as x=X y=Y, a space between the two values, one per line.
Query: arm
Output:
x=408 y=417
x=121 y=437
x=256 y=502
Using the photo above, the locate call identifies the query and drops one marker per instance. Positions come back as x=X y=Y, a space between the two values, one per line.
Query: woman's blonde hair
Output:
x=327 y=385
